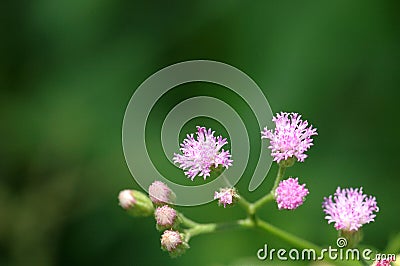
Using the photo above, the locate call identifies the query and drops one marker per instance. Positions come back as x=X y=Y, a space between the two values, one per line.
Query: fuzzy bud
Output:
x=173 y=242
x=135 y=203
x=160 y=193
x=166 y=217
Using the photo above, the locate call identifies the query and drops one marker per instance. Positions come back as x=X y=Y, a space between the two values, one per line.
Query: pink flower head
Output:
x=165 y=216
x=385 y=262
x=291 y=137
x=226 y=196
x=202 y=153
x=349 y=209
x=126 y=199
x=170 y=240
x=290 y=194
x=160 y=193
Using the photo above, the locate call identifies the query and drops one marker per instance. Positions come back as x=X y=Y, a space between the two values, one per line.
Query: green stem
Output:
x=199 y=229
x=271 y=195
x=187 y=222
x=247 y=206
x=267 y=198
x=292 y=239
x=279 y=176
x=209 y=228
x=263 y=225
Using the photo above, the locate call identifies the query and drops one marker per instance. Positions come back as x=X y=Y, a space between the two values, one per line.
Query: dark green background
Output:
x=69 y=68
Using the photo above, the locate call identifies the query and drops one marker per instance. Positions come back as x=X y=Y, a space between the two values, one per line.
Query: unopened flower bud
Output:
x=135 y=203
x=166 y=217
x=160 y=193
x=126 y=199
x=173 y=242
x=226 y=196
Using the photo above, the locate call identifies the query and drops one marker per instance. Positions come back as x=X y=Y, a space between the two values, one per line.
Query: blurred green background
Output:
x=69 y=68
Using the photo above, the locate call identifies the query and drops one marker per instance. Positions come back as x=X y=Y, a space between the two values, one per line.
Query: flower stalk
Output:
x=271 y=195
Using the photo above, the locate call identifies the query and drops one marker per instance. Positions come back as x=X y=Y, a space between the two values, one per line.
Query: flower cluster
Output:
x=167 y=219
x=290 y=194
x=201 y=154
x=349 y=209
x=291 y=137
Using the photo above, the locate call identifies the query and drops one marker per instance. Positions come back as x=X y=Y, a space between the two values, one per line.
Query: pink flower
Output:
x=290 y=194
x=160 y=193
x=384 y=262
x=226 y=196
x=165 y=216
x=203 y=153
x=291 y=137
x=349 y=209
x=126 y=199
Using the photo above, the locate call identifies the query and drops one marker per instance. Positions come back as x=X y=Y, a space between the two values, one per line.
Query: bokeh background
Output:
x=69 y=68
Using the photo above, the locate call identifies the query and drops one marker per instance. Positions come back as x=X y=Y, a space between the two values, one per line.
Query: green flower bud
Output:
x=135 y=203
